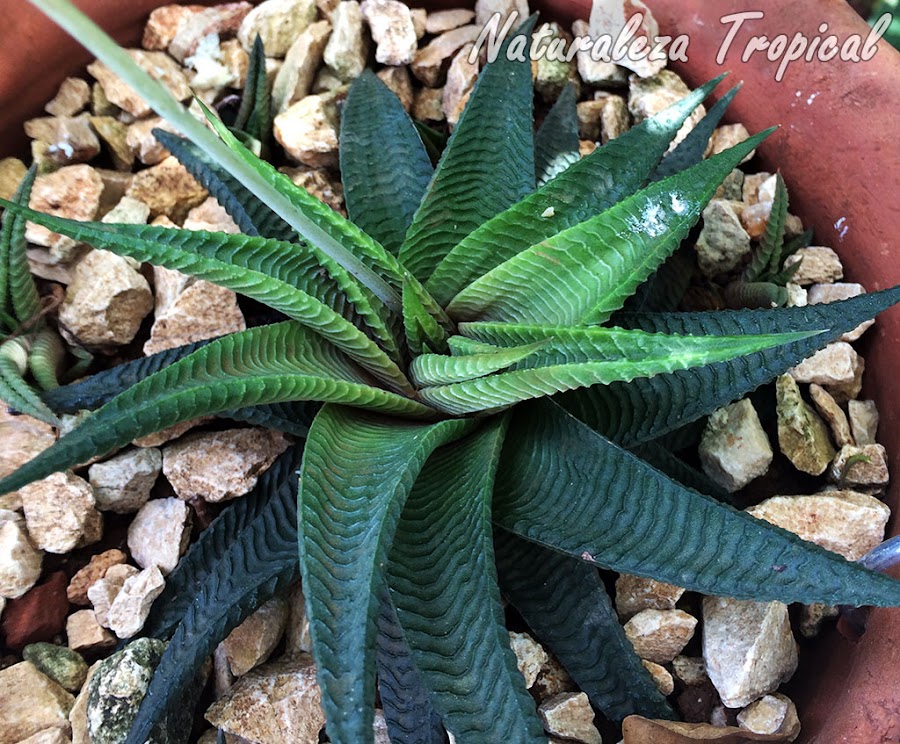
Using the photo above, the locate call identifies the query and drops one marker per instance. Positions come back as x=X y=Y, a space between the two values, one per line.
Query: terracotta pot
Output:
x=840 y=154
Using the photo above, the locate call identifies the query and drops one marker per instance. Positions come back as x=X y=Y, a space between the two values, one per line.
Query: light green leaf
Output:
x=564 y=486
x=47 y=352
x=566 y=605
x=357 y=471
x=586 y=272
x=444 y=586
x=268 y=364
x=648 y=408
x=385 y=168
x=18 y=294
x=439 y=369
x=488 y=164
x=14 y=391
x=422 y=330
x=556 y=145
x=585 y=189
x=580 y=357
x=290 y=278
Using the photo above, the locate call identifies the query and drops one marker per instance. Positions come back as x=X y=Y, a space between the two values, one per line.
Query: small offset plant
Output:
x=468 y=397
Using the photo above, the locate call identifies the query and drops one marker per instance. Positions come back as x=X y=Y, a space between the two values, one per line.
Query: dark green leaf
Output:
x=565 y=604
x=443 y=584
x=18 y=294
x=566 y=487
x=358 y=470
x=247 y=556
x=488 y=164
x=556 y=145
x=255 y=114
x=766 y=259
x=384 y=166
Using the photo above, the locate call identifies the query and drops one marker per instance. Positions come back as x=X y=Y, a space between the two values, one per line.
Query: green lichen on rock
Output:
x=61 y=664
x=802 y=435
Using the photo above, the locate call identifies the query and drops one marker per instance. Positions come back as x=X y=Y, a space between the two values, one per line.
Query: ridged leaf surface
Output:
x=270 y=364
x=585 y=273
x=566 y=605
x=444 y=586
x=241 y=561
x=18 y=294
x=358 y=470
x=556 y=142
x=488 y=164
x=566 y=487
x=587 y=188
x=385 y=168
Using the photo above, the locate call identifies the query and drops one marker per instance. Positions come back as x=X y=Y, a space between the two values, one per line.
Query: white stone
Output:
x=122 y=484
x=609 y=20
x=660 y=635
x=748 y=647
x=592 y=70
x=129 y=610
x=20 y=563
x=836 y=364
x=771 y=714
x=864 y=417
x=569 y=715
x=845 y=522
x=428 y=62
x=58 y=511
x=308 y=130
x=439 y=21
x=530 y=656
x=278 y=23
x=295 y=78
x=735 y=449
x=391 y=24
x=159 y=533
x=103 y=592
x=461 y=77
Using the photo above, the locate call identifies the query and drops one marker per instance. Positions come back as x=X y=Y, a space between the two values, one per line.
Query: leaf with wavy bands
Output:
x=385 y=168
x=444 y=586
x=648 y=408
x=270 y=364
x=587 y=188
x=556 y=144
x=422 y=329
x=581 y=357
x=245 y=557
x=357 y=471
x=566 y=605
x=488 y=164
x=439 y=369
x=584 y=273
x=266 y=270
x=564 y=486
x=766 y=260
x=18 y=293
x=410 y=716
x=251 y=215
x=255 y=114
x=14 y=390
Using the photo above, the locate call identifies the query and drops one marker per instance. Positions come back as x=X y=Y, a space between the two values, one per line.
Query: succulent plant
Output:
x=468 y=399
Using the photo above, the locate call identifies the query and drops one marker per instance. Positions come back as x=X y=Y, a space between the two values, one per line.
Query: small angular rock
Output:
x=122 y=484
x=439 y=21
x=129 y=610
x=57 y=511
x=115 y=135
x=218 y=21
x=551 y=73
x=734 y=449
x=71 y=98
x=397 y=79
x=63 y=665
x=660 y=635
x=20 y=563
x=117 y=688
x=636 y=593
x=168 y=189
x=728 y=136
x=91 y=573
x=319 y=184
x=38 y=615
x=222 y=465
x=428 y=63
x=863 y=416
x=845 y=522
x=143 y=144
x=12 y=171
x=72 y=192
x=245 y=710
x=159 y=533
x=723 y=243
x=690 y=670
x=833 y=414
x=597 y=71
x=748 y=647
x=569 y=715
x=391 y=24
x=295 y=78
x=30 y=702
x=860 y=466
x=252 y=642
x=771 y=714
x=461 y=78
x=802 y=435
x=611 y=19
x=69 y=139
x=818 y=265
x=103 y=593
x=106 y=301
x=530 y=656
x=86 y=635
x=836 y=364
x=308 y=130
x=345 y=53
x=428 y=104
x=278 y=23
